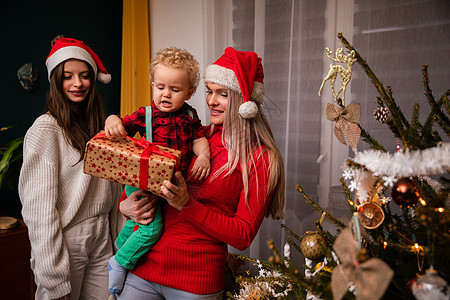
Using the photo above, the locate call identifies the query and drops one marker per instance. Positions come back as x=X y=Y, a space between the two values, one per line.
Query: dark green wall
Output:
x=26 y=28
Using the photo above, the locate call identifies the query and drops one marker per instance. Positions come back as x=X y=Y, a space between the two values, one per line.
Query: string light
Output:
x=418 y=248
x=384 y=244
x=422 y=202
x=439 y=209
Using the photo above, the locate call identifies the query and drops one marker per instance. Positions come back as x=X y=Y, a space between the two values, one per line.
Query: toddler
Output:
x=175 y=77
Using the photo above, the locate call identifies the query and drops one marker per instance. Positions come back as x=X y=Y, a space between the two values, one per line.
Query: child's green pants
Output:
x=132 y=243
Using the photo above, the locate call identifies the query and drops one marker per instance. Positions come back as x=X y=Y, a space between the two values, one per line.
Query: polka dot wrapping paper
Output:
x=129 y=161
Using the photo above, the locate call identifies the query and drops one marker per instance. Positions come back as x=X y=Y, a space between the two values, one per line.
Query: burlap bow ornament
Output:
x=346 y=127
x=370 y=279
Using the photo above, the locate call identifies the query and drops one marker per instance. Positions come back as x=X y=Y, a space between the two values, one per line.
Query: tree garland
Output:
x=434 y=160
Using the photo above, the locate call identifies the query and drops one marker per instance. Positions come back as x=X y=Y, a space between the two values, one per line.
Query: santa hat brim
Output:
x=66 y=53
x=227 y=78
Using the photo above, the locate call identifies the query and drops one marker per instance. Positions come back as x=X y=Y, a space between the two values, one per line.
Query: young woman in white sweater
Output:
x=68 y=212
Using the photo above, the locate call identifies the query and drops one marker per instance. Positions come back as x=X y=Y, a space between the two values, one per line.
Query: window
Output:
x=395 y=37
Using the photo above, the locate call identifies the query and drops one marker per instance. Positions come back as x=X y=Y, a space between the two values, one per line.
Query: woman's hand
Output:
x=139 y=206
x=176 y=195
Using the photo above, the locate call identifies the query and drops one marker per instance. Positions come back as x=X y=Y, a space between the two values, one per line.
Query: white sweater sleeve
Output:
x=38 y=190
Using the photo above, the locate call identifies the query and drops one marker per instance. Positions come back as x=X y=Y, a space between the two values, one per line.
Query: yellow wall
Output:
x=135 y=86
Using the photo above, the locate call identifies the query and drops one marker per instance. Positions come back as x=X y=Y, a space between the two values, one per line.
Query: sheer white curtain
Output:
x=395 y=37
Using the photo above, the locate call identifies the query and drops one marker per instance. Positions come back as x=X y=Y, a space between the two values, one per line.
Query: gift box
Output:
x=132 y=162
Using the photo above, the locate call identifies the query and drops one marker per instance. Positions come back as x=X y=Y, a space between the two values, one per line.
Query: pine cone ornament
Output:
x=382 y=115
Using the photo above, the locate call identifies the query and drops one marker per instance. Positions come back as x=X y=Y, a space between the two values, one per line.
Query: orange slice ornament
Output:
x=371 y=215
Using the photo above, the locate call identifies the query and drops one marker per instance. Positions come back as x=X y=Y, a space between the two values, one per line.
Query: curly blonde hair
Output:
x=180 y=59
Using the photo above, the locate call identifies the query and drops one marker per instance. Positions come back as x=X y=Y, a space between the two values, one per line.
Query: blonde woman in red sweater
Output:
x=203 y=217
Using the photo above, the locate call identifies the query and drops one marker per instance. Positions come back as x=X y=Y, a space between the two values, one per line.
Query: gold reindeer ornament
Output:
x=335 y=70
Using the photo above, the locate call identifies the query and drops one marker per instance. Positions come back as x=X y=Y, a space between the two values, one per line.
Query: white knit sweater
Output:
x=56 y=195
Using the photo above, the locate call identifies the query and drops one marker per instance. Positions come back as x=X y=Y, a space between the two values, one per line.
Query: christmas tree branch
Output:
x=394 y=105
x=416 y=127
x=441 y=124
x=434 y=106
x=399 y=121
x=403 y=247
x=353 y=164
x=415 y=118
x=320 y=209
x=427 y=130
x=291 y=232
x=370 y=140
x=292 y=243
x=427 y=192
x=444 y=100
x=397 y=115
x=346 y=190
x=347 y=195
x=285 y=279
x=389 y=122
x=265 y=264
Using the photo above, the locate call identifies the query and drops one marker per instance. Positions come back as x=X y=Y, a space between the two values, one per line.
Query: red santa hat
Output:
x=66 y=48
x=242 y=72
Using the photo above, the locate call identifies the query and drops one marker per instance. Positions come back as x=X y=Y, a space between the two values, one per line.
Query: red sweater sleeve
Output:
x=239 y=229
x=135 y=122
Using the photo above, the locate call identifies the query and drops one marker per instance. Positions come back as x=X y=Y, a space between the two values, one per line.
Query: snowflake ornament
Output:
x=352 y=186
x=348 y=174
x=389 y=181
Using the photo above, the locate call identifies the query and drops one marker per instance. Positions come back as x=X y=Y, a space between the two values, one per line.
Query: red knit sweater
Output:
x=191 y=253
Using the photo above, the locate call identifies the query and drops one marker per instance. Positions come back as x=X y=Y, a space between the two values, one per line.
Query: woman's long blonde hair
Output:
x=242 y=137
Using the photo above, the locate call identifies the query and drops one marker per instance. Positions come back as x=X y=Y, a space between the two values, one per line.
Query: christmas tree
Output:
x=397 y=243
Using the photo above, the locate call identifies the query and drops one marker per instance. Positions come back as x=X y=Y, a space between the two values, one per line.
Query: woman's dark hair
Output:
x=79 y=121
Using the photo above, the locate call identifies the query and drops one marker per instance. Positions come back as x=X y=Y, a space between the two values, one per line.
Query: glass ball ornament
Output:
x=431 y=286
x=313 y=246
x=409 y=289
x=404 y=192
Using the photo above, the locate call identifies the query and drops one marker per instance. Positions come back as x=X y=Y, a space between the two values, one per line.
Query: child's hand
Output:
x=201 y=168
x=114 y=127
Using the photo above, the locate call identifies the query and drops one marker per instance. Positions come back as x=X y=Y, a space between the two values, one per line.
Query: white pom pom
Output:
x=104 y=78
x=248 y=110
